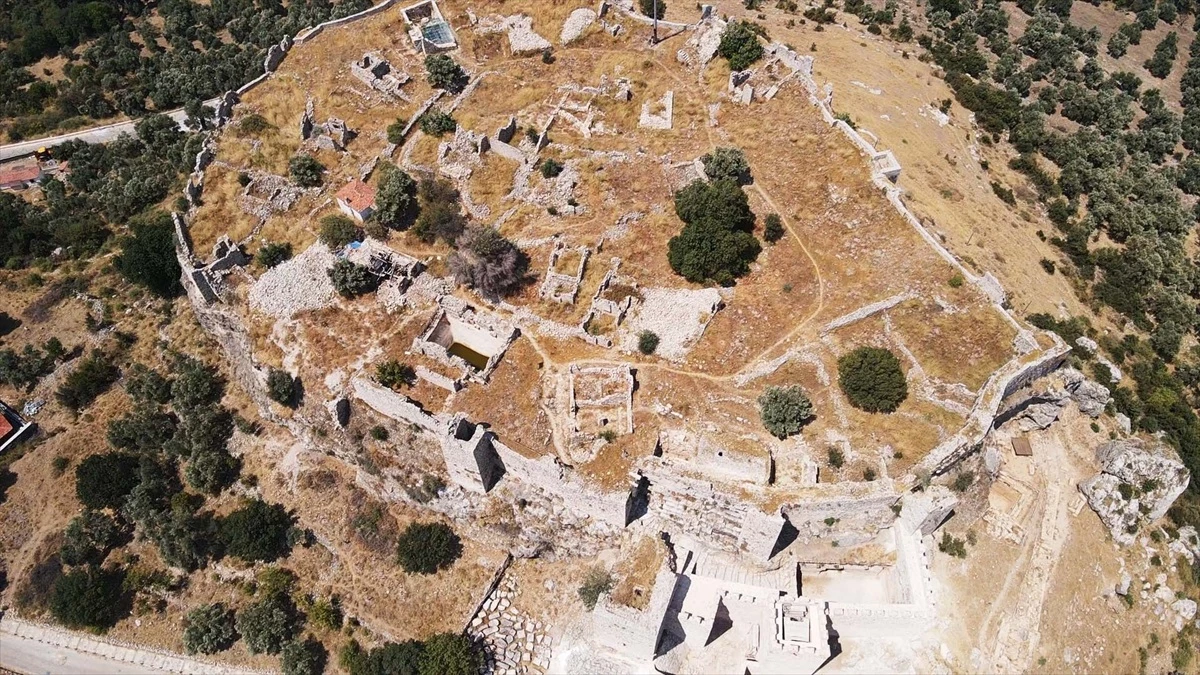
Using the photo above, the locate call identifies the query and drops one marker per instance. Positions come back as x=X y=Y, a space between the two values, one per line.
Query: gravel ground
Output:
x=298 y=285
x=677 y=315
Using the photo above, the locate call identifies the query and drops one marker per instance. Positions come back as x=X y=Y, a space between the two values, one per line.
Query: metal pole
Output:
x=654 y=40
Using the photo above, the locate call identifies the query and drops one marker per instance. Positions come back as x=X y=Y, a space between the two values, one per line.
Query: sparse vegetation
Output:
x=655 y=9
x=773 y=228
x=551 y=168
x=437 y=123
x=271 y=254
x=597 y=582
x=728 y=163
x=281 y=387
x=836 y=458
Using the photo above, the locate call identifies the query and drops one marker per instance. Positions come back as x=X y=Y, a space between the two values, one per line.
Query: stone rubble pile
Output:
x=515 y=644
x=1066 y=385
x=1136 y=484
x=297 y=285
x=677 y=315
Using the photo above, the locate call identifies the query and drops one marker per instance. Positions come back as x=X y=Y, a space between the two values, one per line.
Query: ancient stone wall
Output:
x=396 y=406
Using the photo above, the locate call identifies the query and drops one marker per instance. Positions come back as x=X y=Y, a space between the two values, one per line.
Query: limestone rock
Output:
x=1123 y=422
x=576 y=24
x=1039 y=416
x=1151 y=478
x=1123 y=587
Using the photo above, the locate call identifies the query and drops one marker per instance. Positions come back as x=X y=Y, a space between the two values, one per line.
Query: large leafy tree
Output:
x=872 y=379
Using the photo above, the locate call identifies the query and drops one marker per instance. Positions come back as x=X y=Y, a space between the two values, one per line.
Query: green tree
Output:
x=551 y=168
x=209 y=629
x=727 y=163
x=648 y=8
x=773 y=228
x=437 y=123
x=146 y=385
x=88 y=597
x=396 y=198
x=89 y=537
x=92 y=377
x=647 y=342
x=440 y=216
x=395 y=131
x=872 y=379
x=103 y=481
x=267 y=625
x=147 y=256
x=271 y=253
x=393 y=374
x=281 y=387
x=257 y=531
x=1165 y=52
x=337 y=231
x=352 y=280
x=739 y=45
x=196 y=384
x=443 y=73
x=306 y=171
x=303 y=657
x=449 y=654
x=426 y=548
x=146 y=429
x=784 y=410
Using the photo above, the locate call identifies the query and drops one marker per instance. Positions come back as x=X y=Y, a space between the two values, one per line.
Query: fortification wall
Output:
x=396 y=406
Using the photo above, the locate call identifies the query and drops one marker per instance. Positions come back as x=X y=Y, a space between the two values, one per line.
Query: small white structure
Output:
x=886 y=164
x=357 y=200
x=428 y=29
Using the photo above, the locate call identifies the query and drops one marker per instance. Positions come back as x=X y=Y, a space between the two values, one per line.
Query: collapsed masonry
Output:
x=375 y=72
x=705 y=608
x=208 y=278
x=563 y=286
x=601 y=399
x=1137 y=483
x=332 y=135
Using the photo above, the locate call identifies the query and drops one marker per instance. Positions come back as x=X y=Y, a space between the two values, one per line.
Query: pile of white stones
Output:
x=297 y=285
x=515 y=643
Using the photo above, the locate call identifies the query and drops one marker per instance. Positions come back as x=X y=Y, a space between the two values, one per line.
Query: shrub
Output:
x=727 y=163
x=271 y=254
x=103 y=481
x=426 y=548
x=597 y=582
x=443 y=73
x=337 y=231
x=488 y=263
x=869 y=474
x=147 y=256
x=956 y=281
x=739 y=45
x=252 y=125
x=89 y=537
x=715 y=243
x=1005 y=194
x=281 y=387
x=306 y=171
x=94 y=375
x=773 y=228
x=88 y=597
x=267 y=624
x=326 y=613
x=836 y=457
x=305 y=657
x=395 y=131
x=379 y=433
x=437 y=123
x=647 y=342
x=197 y=385
x=449 y=654
x=648 y=7
x=258 y=531
x=352 y=280
x=209 y=629
x=952 y=546
x=784 y=410
x=59 y=465
x=395 y=200
x=1047 y=265
x=440 y=216
x=146 y=385
x=551 y=168
x=392 y=374
x=1165 y=52
x=871 y=378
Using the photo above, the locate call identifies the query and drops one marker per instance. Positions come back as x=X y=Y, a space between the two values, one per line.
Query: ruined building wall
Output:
x=631 y=633
x=396 y=406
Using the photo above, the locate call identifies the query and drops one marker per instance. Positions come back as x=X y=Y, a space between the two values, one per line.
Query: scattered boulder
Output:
x=1136 y=484
x=1090 y=396
x=579 y=21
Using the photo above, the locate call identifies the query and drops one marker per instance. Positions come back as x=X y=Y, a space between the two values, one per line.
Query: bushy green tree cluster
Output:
x=441 y=654
x=427 y=548
x=716 y=244
x=872 y=379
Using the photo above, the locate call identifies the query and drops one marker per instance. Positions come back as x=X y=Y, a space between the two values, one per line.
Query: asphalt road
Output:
x=30 y=657
x=102 y=134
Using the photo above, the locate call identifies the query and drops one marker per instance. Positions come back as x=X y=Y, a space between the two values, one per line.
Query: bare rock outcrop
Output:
x=1137 y=483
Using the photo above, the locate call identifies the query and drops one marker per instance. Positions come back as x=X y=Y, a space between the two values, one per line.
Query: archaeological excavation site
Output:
x=576 y=339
